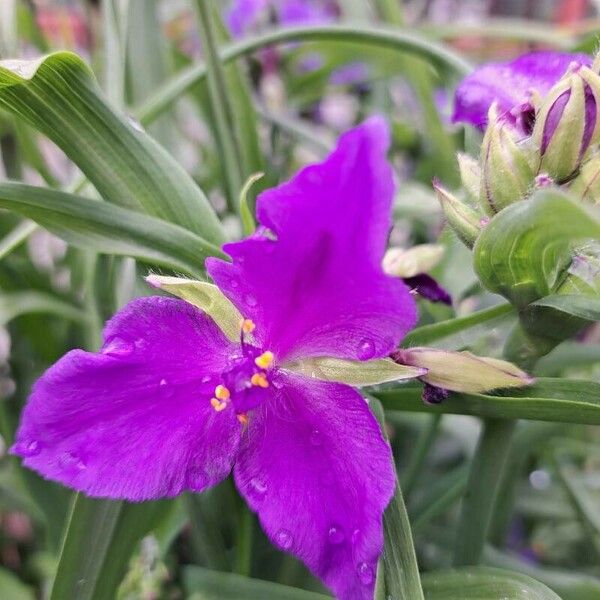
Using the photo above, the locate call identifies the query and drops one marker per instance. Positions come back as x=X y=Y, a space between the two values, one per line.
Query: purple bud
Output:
x=434 y=395
x=427 y=287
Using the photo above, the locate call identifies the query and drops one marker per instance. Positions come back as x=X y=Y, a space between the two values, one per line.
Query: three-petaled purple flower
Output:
x=510 y=85
x=171 y=404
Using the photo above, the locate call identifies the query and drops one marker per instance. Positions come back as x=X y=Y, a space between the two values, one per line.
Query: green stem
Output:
x=390 y=11
x=394 y=38
x=244 y=542
x=220 y=105
x=417 y=459
x=482 y=489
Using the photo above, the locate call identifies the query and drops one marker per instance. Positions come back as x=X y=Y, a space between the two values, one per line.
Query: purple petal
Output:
x=311 y=277
x=305 y=12
x=134 y=421
x=316 y=469
x=428 y=288
x=350 y=74
x=243 y=15
x=509 y=84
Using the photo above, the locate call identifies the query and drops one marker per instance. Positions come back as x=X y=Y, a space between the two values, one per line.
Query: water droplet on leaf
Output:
x=365 y=573
x=366 y=350
x=336 y=534
x=283 y=538
x=118 y=347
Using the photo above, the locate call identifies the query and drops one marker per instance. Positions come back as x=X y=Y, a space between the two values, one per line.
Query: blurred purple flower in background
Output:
x=510 y=85
x=171 y=404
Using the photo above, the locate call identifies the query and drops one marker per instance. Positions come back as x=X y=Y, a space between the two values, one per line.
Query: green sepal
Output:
x=353 y=372
x=205 y=296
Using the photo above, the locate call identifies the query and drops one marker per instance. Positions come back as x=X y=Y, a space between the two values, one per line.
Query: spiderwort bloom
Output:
x=511 y=85
x=171 y=404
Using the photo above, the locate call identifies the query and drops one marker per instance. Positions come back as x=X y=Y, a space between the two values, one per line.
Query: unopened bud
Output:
x=587 y=183
x=408 y=262
x=567 y=122
x=470 y=175
x=506 y=165
x=461 y=217
x=463 y=371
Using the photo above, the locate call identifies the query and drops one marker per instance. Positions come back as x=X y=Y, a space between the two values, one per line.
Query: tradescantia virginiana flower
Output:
x=171 y=403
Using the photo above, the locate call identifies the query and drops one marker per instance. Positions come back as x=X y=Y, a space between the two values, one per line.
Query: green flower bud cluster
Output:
x=563 y=149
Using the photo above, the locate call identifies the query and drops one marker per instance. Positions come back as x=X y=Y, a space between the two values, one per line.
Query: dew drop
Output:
x=28 y=448
x=135 y=124
x=366 y=349
x=205 y=379
x=250 y=300
x=69 y=460
x=316 y=439
x=165 y=388
x=234 y=283
x=257 y=488
x=284 y=539
x=355 y=537
x=336 y=535
x=365 y=573
x=118 y=347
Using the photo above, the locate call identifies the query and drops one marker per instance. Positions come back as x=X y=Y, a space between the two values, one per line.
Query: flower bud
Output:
x=587 y=183
x=463 y=371
x=470 y=175
x=506 y=165
x=461 y=217
x=567 y=122
x=402 y=262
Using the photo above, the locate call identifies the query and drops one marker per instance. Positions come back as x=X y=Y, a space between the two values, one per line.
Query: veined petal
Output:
x=316 y=469
x=311 y=277
x=134 y=421
x=509 y=84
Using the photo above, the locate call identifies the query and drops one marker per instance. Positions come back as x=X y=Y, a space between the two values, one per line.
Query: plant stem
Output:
x=417 y=459
x=220 y=105
x=244 y=542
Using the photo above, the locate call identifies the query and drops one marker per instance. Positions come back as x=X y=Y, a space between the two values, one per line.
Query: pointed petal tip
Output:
x=153 y=281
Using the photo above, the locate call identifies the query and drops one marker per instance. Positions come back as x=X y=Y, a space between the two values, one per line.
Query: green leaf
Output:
x=524 y=250
x=203 y=584
x=100 y=539
x=58 y=96
x=484 y=583
x=12 y=588
x=108 y=228
x=398 y=39
x=354 y=372
x=451 y=331
x=585 y=306
x=549 y=399
x=15 y=304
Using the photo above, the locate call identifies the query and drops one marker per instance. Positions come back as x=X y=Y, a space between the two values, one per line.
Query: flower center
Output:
x=243 y=384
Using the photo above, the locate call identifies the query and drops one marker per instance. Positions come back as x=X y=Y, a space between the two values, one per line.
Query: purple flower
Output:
x=171 y=404
x=243 y=15
x=511 y=84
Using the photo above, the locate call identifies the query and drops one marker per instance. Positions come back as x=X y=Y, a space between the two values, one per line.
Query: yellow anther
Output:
x=218 y=405
x=264 y=360
x=259 y=379
x=247 y=325
x=243 y=419
x=222 y=393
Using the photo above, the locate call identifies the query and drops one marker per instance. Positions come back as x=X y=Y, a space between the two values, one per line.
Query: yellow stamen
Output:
x=243 y=419
x=259 y=379
x=217 y=405
x=222 y=393
x=247 y=325
x=264 y=360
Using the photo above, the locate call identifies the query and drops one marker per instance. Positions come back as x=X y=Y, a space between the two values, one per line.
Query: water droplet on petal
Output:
x=336 y=534
x=118 y=347
x=366 y=349
x=316 y=439
x=69 y=460
x=284 y=539
x=257 y=488
x=250 y=300
x=355 y=536
x=28 y=448
x=234 y=283
x=277 y=383
x=165 y=388
x=205 y=379
x=365 y=573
